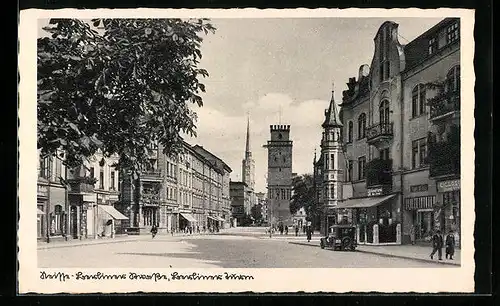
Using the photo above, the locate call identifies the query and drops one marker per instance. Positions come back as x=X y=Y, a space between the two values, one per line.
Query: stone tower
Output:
x=279 y=174
x=248 y=164
x=333 y=161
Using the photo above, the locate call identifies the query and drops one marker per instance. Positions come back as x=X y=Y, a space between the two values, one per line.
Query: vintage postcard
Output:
x=246 y=150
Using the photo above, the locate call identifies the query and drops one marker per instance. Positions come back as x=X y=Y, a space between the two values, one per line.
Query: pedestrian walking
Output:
x=198 y=228
x=412 y=234
x=154 y=230
x=437 y=245
x=281 y=229
x=309 y=233
x=303 y=229
x=296 y=230
x=450 y=245
x=286 y=229
x=190 y=230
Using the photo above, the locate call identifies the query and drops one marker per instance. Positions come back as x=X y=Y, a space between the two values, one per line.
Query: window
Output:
x=92 y=172
x=101 y=179
x=419 y=153
x=384 y=66
x=433 y=45
x=112 y=186
x=361 y=126
x=332 y=161
x=332 y=191
x=384 y=111
x=349 y=170
x=361 y=167
x=349 y=132
x=46 y=167
x=58 y=169
x=384 y=154
x=418 y=100
x=452 y=33
x=325 y=160
x=453 y=79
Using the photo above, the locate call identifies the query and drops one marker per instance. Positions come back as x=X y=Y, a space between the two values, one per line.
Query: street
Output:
x=229 y=250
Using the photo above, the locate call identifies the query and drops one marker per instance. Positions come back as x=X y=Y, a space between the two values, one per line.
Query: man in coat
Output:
x=450 y=245
x=309 y=233
x=437 y=245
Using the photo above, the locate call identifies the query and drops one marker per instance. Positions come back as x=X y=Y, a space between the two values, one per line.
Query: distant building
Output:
x=279 y=173
x=248 y=171
x=262 y=201
x=240 y=201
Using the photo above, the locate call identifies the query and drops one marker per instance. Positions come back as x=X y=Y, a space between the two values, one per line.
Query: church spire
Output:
x=331 y=119
x=247 y=147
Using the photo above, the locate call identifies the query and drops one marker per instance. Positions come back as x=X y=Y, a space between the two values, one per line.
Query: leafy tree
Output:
x=303 y=194
x=119 y=91
x=256 y=212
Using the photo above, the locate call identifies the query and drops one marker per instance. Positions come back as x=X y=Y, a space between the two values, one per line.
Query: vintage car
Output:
x=340 y=237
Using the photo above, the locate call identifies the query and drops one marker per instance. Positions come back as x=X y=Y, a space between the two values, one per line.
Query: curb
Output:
x=62 y=245
x=391 y=255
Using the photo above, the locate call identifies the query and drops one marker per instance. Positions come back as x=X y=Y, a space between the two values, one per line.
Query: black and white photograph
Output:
x=264 y=142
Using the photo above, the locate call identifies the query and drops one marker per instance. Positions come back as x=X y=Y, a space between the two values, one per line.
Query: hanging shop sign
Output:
x=450 y=185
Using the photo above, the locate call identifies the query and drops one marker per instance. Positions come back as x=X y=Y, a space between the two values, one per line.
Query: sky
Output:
x=259 y=66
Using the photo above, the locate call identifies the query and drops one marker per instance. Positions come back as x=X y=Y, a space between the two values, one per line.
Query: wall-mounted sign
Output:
x=419 y=188
x=374 y=192
x=42 y=191
x=446 y=186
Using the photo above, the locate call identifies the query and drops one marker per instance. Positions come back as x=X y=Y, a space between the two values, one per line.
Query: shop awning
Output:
x=188 y=217
x=365 y=202
x=39 y=212
x=115 y=214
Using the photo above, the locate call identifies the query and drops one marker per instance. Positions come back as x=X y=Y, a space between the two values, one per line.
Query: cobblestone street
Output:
x=241 y=248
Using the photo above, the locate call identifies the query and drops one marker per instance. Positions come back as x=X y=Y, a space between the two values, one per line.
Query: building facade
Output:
x=279 y=174
x=332 y=167
x=240 y=200
x=188 y=190
x=78 y=203
x=401 y=137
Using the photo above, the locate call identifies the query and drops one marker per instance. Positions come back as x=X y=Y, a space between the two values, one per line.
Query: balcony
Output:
x=151 y=199
x=378 y=172
x=379 y=133
x=444 y=106
x=154 y=175
x=444 y=159
x=81 y=185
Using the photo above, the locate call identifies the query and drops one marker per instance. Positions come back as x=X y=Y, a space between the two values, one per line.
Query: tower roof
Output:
x=331 y=115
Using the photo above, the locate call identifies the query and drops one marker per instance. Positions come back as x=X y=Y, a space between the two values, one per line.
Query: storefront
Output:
x=186 y=220
x=373 y=217
x=423 y=212
x=42 y=210
x=449 y=198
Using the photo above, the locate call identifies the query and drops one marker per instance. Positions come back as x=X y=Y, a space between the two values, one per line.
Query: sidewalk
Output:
x=42 y=245
x=412 y=252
